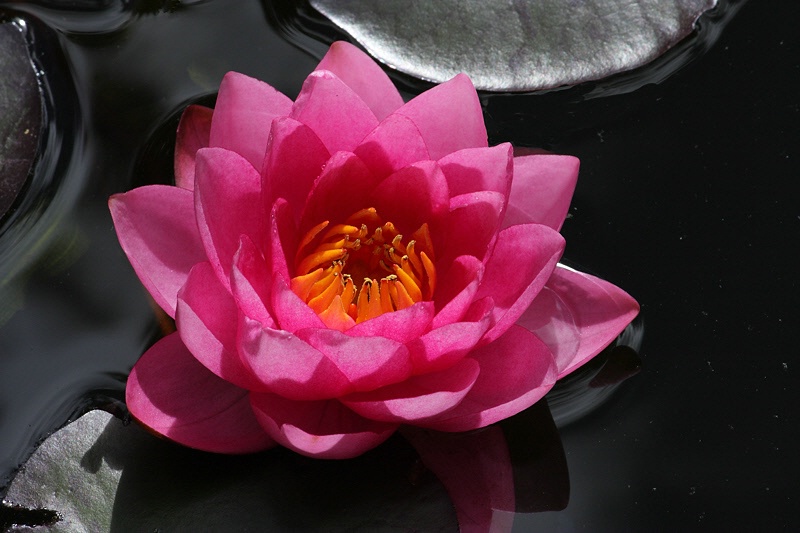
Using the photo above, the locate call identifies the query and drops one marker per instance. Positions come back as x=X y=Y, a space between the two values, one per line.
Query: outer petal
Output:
x=204 y=323
x=417 y=398
x=295 y=158
x=228 y=205
x=448 y=116
x=323 y=429
x=479 y=169
x=157 y=230
x=522 y=261
x=244 y=111
x=394 y=144
x=193 y=134
x=577 y=315
x=412 y=196
x=542 y=189
x=363 y=76
x=338 y=115
x=174 y=395
x=287 y=365
x=516 y=371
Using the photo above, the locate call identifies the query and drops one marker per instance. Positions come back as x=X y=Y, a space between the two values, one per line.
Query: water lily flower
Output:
x=347 y=263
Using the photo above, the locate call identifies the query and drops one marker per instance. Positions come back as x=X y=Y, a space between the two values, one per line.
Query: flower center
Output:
x=351 y=272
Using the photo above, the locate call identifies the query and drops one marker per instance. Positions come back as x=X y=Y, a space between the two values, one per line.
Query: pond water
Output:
x=687 y=198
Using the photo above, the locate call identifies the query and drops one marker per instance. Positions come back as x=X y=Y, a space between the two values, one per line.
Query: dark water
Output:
x=688 y=198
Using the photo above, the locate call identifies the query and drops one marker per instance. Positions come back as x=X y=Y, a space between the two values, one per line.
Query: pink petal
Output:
x=342 y=189
x=244 y=111
x=174 y=395
x=288 y=365
x=289 y=311
x=456 y=290
x=442 y=347
x=362 y=75
x=394 y=144
x=250 y=282
x=417 y=398
x=282 y=240
x=470 y=227
x=157 y=230
x=448 y=116
x=227 y=205
x=475 y=469
x=338 y=115
x=479 y=169
x=516 y=371
x=366 y=362
x=577 y=315
x=207 y=329
x=523 y=259
x=295 y=158
x=412 y=196
x=193 y=134
x=402 y=326
x=542 y=189
x=323 y=429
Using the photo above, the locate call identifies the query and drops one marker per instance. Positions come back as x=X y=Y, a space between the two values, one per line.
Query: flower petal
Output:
x=456 y=290
x=479 y=169
x=227 y=205
x=242 y=116
x=521 y=263
x=542 y=189
x=193 y=134
x=203 y=319
x=156 y=229
x=470 y=227
x=364 y=76
x=289 y=311
x=322 y=429
x=338 y=115
x=412 y=196
x=516 y=371
x=394 y=144
x=366 y=362
x=288 y=365
x=402 y=326
x=174 y=395
x=250 y=282
x=448 y=116
x=295 y=158
x=416 y=398
x=577 y=315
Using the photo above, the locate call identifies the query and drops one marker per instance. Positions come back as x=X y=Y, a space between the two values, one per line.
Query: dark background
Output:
x=688 y=198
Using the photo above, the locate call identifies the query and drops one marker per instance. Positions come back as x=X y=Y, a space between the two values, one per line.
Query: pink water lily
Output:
x=347 y=263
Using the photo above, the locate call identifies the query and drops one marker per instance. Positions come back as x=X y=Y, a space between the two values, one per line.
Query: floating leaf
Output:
x=516 y=45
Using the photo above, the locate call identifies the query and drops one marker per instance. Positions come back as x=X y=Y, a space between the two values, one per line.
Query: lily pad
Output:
x=516 y=45
x=20 y=114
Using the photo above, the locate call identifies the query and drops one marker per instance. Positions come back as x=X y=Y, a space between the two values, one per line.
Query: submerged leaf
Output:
x=516 y=45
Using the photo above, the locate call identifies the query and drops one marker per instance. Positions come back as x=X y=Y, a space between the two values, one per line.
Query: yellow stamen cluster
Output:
x=351 y=272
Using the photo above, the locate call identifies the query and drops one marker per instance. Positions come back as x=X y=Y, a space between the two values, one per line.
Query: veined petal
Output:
x=322 y=429
x=338 y=115
x=288 y=365
x=157 y=230
x=175 y=396
x=364 y=76
x=577 y=315
x=524 y=256
x=228 y=205
x=542 y=189
x=295 y=158
x=448 y=116
x=416 y=398
x=479 y=169
x=203 y=319
x=194 y=131
x=242 y=116
x=394 y=144
x=516 y=371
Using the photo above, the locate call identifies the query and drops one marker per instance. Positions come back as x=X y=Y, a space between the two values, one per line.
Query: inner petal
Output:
x=357 y=270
